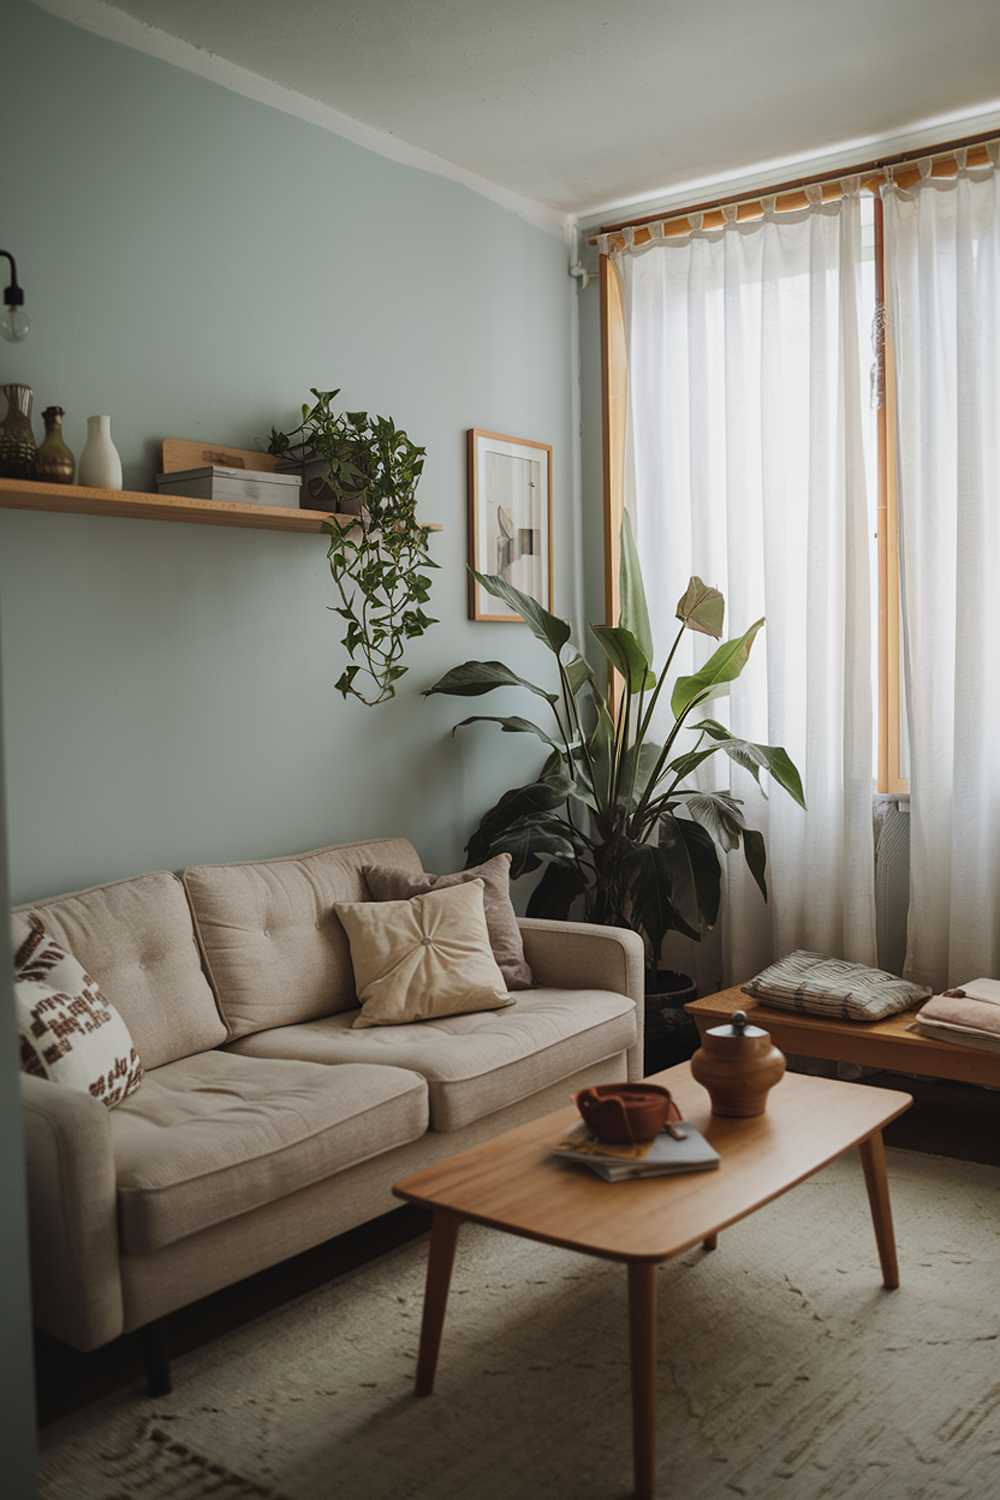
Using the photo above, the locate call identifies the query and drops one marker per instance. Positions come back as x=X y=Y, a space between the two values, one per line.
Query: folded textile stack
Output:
x=969 y=1015
x=822 y=986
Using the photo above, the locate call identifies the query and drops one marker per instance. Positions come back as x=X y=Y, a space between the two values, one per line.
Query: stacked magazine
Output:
x=664 y=1156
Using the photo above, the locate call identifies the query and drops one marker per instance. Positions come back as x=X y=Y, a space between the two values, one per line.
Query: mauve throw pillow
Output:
x=387 y=883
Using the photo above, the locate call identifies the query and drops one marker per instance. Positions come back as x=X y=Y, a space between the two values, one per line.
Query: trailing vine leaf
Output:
x=379 y=557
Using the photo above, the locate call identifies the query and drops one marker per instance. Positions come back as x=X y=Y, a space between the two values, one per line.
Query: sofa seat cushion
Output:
x=274 y=948
x=477 y=1064
x=135 y=938
x=215 y=1136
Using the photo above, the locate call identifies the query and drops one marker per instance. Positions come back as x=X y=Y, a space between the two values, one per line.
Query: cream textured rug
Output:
x=785 y=1370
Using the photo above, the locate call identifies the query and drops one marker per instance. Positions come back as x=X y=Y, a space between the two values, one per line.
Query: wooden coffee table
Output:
x=512 y=1183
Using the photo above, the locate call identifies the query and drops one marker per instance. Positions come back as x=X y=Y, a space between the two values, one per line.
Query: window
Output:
x=890 y=769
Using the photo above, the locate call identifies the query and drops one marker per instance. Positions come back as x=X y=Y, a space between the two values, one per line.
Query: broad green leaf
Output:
x=702 y=608
x=696 y=876
x=638 y=764
x=549 y=629
x=633 y=611
x=534 y=800
x=652 y=896
x=528 y=843
x=555 y=893
x=722 y=668
x=717 y=812
x=474 y=678
x=754 y=758
x=755 y=854
x=625 y=655
x=513 y=724
x=578 y=674
x=685 y=765
x=601 y=747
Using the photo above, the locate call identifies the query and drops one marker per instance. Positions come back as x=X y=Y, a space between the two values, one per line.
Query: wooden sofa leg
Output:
x=156 y=1358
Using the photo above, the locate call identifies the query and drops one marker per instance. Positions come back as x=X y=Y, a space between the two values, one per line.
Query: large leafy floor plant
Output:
x=614 y=816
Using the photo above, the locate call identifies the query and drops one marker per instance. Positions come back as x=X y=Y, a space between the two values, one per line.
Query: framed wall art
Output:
x=510 y=520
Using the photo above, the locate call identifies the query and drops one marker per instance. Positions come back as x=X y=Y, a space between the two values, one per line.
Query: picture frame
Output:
x=510 y=520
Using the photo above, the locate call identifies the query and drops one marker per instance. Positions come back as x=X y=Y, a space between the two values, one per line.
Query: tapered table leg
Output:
x=710 y=1242
x=873 y=1162
x=642 y=1339
x=440 y=1259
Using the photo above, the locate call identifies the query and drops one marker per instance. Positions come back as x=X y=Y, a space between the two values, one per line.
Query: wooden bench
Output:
x=875 y=1044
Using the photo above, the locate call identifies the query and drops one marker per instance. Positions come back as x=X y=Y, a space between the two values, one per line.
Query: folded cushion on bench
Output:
x=818 y=985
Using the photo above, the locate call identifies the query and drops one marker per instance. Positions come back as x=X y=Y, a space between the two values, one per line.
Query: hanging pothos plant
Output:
x=378 y=549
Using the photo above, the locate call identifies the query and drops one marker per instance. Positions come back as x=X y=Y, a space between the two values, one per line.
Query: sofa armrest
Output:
x=584 y=956
x=72 y=1214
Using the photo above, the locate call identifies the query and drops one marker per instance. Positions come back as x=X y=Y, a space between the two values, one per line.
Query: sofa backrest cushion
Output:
x=136 y=940
x=273 y=946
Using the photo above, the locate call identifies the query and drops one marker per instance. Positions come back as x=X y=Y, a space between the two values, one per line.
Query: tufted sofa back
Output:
x=136 y=939
x=274 y=949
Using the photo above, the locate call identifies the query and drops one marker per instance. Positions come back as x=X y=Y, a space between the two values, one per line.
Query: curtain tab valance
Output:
x=955 y=160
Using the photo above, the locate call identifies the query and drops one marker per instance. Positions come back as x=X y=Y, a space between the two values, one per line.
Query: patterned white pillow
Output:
x=68 y=1032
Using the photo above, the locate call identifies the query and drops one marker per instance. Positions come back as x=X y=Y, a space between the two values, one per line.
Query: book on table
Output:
x=664 y=1156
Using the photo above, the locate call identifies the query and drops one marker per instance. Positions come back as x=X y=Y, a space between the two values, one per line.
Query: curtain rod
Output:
x=865 y=169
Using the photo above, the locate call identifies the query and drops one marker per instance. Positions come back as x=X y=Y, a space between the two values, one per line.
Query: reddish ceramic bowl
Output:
x=626 y=1114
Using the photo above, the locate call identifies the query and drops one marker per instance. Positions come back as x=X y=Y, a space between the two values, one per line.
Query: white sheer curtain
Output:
x=943 y=257
x=745 y=465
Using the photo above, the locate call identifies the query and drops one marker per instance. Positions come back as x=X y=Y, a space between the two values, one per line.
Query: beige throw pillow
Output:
x=426 y=957
x=389 y=883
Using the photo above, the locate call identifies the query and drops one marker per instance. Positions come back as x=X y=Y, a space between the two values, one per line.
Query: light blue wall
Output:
x=194 y=261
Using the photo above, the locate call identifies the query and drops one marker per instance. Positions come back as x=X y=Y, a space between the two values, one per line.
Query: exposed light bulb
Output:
x=15 y=325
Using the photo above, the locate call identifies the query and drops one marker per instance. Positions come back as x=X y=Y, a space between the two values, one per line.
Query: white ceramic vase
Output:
x=100 y=463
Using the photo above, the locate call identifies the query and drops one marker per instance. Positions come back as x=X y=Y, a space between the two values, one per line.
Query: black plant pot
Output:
x=671 y=1036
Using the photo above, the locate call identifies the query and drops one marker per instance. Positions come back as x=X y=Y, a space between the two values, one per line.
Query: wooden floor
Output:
x=947 y=1119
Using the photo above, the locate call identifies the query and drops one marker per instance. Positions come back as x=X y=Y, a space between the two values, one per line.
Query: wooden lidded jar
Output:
x=738 y=1064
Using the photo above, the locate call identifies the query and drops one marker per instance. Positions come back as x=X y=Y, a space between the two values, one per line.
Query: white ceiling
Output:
x=580 y=104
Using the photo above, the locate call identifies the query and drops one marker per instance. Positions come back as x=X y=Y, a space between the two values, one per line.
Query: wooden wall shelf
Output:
x=78 y=499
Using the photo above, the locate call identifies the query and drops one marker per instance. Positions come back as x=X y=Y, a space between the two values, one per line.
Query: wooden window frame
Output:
x=614 y=373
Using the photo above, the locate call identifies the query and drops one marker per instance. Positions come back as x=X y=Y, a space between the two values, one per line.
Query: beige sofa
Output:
x=265 y=1124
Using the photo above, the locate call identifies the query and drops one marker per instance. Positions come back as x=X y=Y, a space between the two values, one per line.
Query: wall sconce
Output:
x=15 y=325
